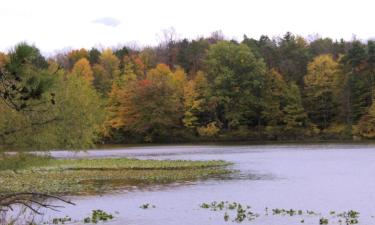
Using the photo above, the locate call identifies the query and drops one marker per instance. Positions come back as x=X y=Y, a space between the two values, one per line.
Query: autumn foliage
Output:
x=187 y=90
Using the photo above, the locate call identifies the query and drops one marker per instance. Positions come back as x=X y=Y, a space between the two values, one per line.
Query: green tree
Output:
x=72 y=122
x=79 y=114
x=94 y=55
x=237 y=78
x=273 y=102
x=191 y=54
x=264 y=48
x=295 y=118
x=358 y=86
x=293 y=52
x=44 y=108
x=23 y=77
x=366 y=125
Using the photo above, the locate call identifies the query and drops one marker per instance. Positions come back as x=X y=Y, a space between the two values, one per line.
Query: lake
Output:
x=319 y=177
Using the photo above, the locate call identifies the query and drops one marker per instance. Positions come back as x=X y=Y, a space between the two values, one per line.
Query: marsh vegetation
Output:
x=22 y=173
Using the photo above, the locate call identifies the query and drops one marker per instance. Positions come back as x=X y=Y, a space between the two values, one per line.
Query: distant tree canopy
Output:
x=282 y=88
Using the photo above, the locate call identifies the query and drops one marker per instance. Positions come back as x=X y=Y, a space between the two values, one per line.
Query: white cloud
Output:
x=108 y=21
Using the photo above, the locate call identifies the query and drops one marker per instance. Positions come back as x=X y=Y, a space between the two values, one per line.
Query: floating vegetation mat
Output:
x=93 y=176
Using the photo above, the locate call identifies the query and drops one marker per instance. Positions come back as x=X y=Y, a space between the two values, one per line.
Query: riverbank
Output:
x=25 y=172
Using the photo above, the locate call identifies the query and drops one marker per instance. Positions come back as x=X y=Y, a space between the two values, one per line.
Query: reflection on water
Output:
x=308 y=177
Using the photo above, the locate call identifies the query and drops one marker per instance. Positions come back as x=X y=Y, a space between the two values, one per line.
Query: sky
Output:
x=55 y=25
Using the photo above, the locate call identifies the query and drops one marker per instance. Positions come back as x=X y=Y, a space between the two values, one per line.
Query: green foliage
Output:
x=79 y=114
x=274 y=101
x=94 y=55
x=237 y=78
x=358 y=88
x=366 y=125
x=71 y=122
x=293 y=53
x=295 y=119
x=338 y=131
x=264 y=48
x=24 y=78
x=192 y=54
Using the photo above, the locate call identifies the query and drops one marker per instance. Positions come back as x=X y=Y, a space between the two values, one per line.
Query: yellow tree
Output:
x=83 y=69
x=321 y=90
x=119 y=88
x=75 y=55
x=196 y=95
x=110 y=63
x=180 y=81
x=106 y=71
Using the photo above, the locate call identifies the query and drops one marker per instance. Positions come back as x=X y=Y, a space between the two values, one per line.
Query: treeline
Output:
x=285 y=88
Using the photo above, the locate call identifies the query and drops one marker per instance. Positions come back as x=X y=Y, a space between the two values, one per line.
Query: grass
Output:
x=25 y=172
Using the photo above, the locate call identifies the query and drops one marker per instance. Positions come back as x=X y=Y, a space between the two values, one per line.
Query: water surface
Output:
x=322 y=178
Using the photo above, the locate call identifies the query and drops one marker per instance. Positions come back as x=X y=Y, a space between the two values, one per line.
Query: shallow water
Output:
x=322 y=178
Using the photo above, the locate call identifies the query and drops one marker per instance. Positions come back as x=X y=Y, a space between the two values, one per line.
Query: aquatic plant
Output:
x=241 y=212
x=232 y=206
x=226 y=216
x=98 y=216
x=62 y=220
x=147 y=206
x=205 y=206
x=323 y=221
x=351 y=217
x=310 y=212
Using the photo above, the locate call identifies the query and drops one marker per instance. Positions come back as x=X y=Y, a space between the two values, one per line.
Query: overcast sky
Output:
x=57 y=24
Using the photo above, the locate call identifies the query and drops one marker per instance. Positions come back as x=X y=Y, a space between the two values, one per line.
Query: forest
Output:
x=205 y=89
